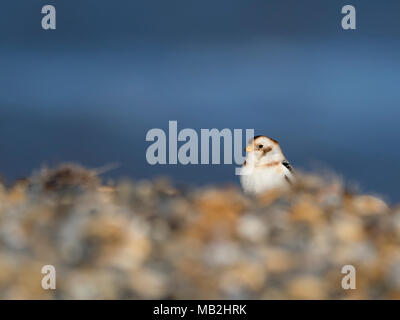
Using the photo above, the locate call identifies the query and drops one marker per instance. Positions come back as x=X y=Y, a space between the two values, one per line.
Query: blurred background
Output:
x=90 y=90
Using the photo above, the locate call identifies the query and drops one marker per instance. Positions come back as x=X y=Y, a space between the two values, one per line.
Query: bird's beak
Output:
x=248 y=149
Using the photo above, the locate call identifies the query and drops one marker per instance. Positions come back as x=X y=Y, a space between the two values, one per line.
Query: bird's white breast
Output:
x=260 y=179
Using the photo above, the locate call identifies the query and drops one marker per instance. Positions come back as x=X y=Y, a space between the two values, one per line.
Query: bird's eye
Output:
x=260 y=146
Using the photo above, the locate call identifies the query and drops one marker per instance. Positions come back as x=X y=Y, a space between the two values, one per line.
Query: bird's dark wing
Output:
x=288 y=166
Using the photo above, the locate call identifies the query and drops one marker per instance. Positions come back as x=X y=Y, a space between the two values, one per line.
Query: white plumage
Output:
x=265 y=167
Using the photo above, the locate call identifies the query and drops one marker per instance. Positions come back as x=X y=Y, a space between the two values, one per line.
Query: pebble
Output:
x=150 y=240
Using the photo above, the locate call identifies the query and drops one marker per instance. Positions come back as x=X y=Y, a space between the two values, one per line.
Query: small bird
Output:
x=265 y=167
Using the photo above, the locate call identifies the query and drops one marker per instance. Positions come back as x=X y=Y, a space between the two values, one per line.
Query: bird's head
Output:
x=264 y=149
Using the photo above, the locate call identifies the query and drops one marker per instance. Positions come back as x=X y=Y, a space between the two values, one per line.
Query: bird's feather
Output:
x=288 y=166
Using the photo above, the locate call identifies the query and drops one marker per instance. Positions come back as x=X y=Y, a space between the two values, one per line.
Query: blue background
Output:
x=90 y=90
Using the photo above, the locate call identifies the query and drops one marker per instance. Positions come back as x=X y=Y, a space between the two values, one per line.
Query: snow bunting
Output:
x=265 y=167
